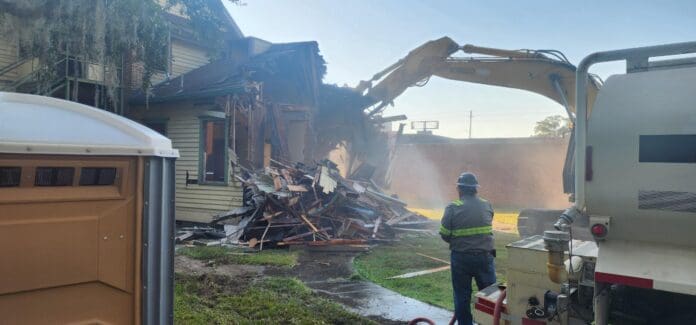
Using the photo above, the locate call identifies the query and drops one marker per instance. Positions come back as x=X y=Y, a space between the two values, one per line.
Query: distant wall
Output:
x=514 y=172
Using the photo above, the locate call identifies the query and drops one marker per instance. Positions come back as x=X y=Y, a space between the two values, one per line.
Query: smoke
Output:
x=514 y=173
x=418 y=179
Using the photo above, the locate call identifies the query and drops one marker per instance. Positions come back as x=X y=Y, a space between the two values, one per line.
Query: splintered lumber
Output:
x=418 y=273
x=312 y=205
x=397 y=219
x=264 y=235
x=253 y=242
x=309 y=223
x=291 y=238
x=183 y=237
x=297 y=188
x=374 y=231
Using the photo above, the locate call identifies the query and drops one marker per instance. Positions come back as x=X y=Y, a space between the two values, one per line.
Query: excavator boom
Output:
x=547 y=73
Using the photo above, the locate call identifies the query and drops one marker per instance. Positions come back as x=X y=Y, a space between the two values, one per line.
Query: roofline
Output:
x=230 y=20
x=189 y=95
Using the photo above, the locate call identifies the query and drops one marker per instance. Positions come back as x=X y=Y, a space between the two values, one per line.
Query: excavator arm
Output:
x=547 y=73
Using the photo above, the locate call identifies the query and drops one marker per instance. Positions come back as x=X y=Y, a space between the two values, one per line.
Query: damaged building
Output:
x=248 y=104
x=252 y=106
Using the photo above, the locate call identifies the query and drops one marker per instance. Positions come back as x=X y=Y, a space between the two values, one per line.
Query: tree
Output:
x=555 y=126
x=103 y=31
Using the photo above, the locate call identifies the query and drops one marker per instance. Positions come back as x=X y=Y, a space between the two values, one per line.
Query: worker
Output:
x=467 y=227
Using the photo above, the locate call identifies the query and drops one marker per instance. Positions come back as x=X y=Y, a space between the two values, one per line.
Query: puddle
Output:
x=369 y=299
x=328 y=273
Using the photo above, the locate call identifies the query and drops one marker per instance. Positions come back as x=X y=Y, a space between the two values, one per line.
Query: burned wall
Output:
x=514 y=173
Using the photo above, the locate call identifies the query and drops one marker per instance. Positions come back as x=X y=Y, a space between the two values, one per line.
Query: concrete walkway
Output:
x=328 y=274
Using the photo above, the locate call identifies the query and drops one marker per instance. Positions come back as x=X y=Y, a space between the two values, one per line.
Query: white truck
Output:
x=631 y=170
x=635 y=180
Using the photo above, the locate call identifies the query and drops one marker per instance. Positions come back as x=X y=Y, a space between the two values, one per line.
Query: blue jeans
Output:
x=465 y=266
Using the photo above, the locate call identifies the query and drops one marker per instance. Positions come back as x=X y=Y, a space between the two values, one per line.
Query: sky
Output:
x=358 y=38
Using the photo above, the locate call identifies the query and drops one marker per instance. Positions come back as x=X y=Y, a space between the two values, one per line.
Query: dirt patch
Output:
x=189 y=266
x=328 y=274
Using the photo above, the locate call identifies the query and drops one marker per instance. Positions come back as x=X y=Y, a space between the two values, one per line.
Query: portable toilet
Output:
x=86 y=216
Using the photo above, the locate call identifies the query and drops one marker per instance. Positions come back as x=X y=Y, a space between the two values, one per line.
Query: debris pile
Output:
x=315 y=206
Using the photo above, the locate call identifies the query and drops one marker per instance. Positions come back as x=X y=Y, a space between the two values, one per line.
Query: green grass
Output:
x=222 y=255
x=435 y=288
x=272 y=300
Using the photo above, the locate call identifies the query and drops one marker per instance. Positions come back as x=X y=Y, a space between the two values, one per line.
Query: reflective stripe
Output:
x=444 y=231
x=458 y=203
x=463 y=232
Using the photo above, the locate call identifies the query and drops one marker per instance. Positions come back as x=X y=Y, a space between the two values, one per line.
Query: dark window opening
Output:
x=674 y=148
x=54 y=176
x=10 y=176
x=213 y=151
x=97 y=176
x=160 y=127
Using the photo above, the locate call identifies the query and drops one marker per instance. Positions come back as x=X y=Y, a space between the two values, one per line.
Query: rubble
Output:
x=314 y=206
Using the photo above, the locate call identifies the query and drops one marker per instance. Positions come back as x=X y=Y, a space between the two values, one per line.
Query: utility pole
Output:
x=471 y=116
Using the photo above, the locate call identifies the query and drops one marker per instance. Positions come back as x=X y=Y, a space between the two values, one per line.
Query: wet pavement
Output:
x=370 y=300
x=328 y=274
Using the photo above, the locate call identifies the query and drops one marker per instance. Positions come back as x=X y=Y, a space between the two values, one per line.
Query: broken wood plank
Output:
x=297 y=188
x=309 y=223
x=291 y=238
x=264 y=235
x=277 y=183
x=182 y=237
x=253 y=242
x=401 y=217
x=269 y=216
x=374 y=231
x=287 y=176
x=419 y=273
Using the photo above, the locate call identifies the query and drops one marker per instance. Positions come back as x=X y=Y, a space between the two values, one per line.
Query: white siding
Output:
x=186 y=57
x=8 y=55
x=193 y=202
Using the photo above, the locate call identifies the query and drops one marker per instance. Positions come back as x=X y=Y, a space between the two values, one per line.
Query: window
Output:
x=159 y=126
x=97 y=176
x=670 y=148
x=54 y=176
x=10 y=176
x=213 y=151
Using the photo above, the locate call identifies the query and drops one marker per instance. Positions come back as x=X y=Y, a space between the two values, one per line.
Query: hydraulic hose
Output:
x=499 y=307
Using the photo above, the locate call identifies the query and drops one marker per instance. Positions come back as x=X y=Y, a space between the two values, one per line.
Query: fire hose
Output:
x=499 y=306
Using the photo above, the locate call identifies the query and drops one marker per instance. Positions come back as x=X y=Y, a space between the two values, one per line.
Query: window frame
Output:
x=201 y=151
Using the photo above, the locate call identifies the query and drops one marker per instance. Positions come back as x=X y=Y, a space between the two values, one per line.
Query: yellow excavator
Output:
x=634 y=183
x=545 y=72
